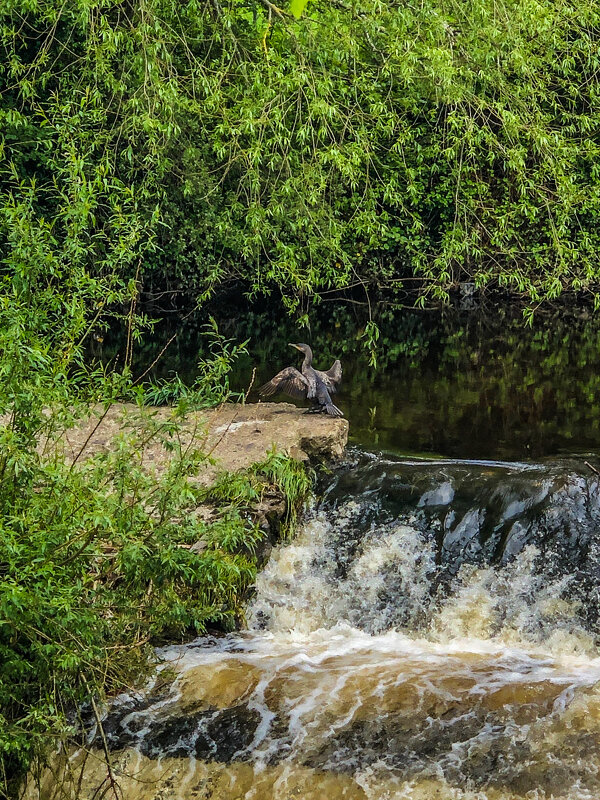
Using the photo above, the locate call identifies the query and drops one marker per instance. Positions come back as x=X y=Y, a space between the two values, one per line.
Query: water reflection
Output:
x=485 y=387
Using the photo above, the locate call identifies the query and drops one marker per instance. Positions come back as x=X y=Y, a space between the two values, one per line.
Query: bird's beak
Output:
x=291 y=344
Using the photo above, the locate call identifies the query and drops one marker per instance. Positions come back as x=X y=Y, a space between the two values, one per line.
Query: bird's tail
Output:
x=333 y=411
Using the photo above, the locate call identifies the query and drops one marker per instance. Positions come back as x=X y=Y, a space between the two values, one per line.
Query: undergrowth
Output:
x=240 y=489
x=98 y=564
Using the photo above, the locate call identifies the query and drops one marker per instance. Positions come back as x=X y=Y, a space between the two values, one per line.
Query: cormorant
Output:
x=308 y=383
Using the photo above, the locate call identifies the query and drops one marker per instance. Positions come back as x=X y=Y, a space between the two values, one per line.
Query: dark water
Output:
x=485 y=386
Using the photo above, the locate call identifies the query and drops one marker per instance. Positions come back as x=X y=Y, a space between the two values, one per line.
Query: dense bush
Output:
x=376 y=145
x=95 y=565
x=95 y=557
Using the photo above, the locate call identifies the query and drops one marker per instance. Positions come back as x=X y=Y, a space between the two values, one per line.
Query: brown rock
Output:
x=235 y=436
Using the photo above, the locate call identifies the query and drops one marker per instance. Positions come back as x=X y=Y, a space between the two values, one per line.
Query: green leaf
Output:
x=297 y=7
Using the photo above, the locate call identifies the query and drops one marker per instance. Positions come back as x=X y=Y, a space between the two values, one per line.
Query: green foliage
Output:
x=96 y=564
x=212 y=381
x=95 y=553
x=371 y=335
x=297 y=7
x=210 y=386
x=379 y=146
x=96 y=561
x=242 y=489
x=289 y=476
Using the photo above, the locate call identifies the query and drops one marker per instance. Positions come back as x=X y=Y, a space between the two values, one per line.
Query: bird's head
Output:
x=304 y=348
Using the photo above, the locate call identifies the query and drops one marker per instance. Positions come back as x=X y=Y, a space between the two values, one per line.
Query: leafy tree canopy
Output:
x=376 y=144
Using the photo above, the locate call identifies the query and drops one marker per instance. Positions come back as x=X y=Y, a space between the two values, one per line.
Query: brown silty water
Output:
x=430 y=633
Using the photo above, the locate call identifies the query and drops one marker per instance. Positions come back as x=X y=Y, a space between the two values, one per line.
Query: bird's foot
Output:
x=313 y=410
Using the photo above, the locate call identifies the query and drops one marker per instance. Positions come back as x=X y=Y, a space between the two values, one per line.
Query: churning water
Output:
x=429 y=634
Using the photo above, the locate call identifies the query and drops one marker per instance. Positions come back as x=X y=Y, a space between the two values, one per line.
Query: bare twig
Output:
x=163 y=351
x=129 y=347
x=279 y=12
x=113 y=785
x=91 y=433
x=250 y=385
x=266 y=33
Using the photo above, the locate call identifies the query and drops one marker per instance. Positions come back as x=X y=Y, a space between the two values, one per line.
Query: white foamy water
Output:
x=306 y=585
x=389 y=584
x=390 y=710
x=363 y=676
x=355 y=665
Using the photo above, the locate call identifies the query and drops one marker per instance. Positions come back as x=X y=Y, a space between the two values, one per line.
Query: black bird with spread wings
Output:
x=307 y=383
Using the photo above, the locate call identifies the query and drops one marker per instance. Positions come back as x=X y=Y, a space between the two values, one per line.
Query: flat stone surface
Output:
x=235 y=436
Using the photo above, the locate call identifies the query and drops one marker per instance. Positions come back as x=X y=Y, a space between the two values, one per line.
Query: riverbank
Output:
x=234 y=440
x=233 y=436
x=135 y=527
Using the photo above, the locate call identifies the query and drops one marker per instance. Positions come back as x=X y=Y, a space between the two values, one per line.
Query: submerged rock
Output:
x=442 y=495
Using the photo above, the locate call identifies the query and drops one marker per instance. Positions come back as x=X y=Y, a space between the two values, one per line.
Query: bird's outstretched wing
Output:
x=333 y=377
x=289 y=381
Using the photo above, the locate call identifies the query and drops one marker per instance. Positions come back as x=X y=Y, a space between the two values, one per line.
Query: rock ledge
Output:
x=236 y=436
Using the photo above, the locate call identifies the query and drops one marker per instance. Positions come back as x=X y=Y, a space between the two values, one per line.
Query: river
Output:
x=430 y=633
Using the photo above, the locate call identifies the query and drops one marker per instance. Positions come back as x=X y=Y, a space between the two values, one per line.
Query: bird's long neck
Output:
x=307 y=359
